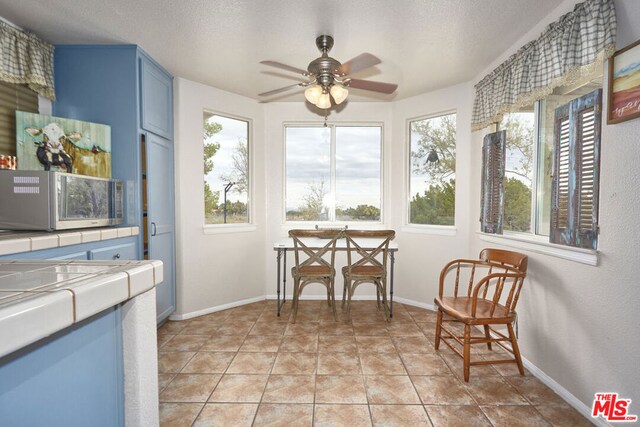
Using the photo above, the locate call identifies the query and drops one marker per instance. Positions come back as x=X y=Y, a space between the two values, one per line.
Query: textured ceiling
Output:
x=423 y=44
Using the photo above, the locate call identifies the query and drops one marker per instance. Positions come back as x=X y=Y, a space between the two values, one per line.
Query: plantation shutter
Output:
x=13 y=97
x=492 y=199
x=576 y=172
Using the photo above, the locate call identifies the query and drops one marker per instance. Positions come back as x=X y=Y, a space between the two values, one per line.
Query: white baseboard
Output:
x=415 y=303
x=323 y=297
x=191 y=315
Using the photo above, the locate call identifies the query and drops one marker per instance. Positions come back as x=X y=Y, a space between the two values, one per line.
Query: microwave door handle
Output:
x=153 y=229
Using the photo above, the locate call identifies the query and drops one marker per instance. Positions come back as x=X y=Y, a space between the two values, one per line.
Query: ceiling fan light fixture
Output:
x=339 y=93
x=324 y=101
x=313 y=93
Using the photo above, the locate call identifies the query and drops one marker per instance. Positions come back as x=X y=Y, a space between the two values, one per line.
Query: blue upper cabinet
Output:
x=157 y=87
x=121 y=86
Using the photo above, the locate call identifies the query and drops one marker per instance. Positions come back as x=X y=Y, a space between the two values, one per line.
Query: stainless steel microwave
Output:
x=42 y=200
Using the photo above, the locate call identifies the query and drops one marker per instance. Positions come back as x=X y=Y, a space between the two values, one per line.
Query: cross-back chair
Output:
x=315 y=268
x=487 y=295
x=367 y=265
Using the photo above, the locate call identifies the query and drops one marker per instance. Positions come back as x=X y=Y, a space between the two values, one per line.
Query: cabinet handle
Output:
x=153 y=228
x=116 y=256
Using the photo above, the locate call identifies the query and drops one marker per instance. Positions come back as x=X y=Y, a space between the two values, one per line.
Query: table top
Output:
x=316 y=243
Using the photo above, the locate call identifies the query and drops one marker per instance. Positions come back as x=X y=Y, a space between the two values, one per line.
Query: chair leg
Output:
x=467 y=351
x=328 y=297
x=516 y=350
x=333 y=300
x=438 y=329
x=296 y=297
x=344 y=291
x=378 y=294
x=349 y=295
x=487 y=336
x=385 y=303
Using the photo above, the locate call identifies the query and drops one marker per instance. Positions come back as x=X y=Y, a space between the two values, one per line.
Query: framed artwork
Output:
x=624 y=84
x=66 y=145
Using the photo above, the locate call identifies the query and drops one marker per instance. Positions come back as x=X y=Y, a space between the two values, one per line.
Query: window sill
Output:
x=228 y=228
x=437 y=230
x=539 y=244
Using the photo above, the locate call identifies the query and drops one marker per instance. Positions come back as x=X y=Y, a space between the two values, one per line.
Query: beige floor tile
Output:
x=268 y=327
x=494 y=391
x=413 y=344
x=218 y=316
x=336 y=344
x=200 y=327
x=456 y=365
x=295 y=363
x=179 y=414
x=173 y=361
x=375 y=344
x=400 y=315
x=223 y=343
x=428 y=329
x=398 y=329
x=185 y=343
x=563 y=415
x=235 y=327
x=300 y=343
x=227 y=414
x=391 y=389
x=285 y=415
x=342 y=415
x=164 y=380
x=208 y=362
x=239 y=388
x=457 y=416
x=252 y=363
x=338 y=364
x=340 y=389
x=163 y=339
x=368 y=329
x=302 y=329
x=190 y=388
x=171 y=327
x=382 y=364
x=399 y=415
x=514 y=416
x=535 y=391
x=442 y=390
x=261 y=344
x=290 y=389
x=424 y=364
x=334 y=328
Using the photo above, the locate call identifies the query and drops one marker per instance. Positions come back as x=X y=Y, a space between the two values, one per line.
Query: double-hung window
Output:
x=333 y=173
x=541 y=169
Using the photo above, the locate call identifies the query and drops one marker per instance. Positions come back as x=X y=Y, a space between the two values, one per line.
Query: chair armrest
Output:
x=501 y=280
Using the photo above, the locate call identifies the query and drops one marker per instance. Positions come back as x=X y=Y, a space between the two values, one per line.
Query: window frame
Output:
x=250 y=225
x=408 y=226
x=332 y=174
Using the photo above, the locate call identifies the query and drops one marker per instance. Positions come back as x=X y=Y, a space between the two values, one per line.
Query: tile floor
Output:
x=245 y=366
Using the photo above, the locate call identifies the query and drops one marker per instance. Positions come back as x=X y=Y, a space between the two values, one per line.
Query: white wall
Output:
x=214 y=269
x=578 y=323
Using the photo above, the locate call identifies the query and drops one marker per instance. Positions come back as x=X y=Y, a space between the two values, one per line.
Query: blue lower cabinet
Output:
x=73 y=378
x=122 y=248
x=116 y=252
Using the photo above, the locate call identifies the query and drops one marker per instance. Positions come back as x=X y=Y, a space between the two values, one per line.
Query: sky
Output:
x=233 y=130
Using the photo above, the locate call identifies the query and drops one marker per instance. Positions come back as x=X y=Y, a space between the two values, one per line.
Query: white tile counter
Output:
x=13 y=242
x=39 y=298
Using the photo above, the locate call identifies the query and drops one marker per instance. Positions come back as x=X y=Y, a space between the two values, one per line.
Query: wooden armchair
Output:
x=371 y=267
x=314 y=269
x=487 y=295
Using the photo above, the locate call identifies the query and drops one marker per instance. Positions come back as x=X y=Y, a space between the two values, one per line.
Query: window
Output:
x=226 y=169
x=333 y=173
x=432 y=165
x=530 y=193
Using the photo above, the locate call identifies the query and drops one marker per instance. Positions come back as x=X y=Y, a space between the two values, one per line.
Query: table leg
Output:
x=278 y=256
x=393 y=261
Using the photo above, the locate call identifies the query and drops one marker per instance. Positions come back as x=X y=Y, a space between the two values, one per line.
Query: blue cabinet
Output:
x=126 y=247
x=121 y=86
x=115 y=252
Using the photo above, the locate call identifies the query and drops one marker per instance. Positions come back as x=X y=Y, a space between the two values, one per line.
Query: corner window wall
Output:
x=226 y=169
x=333 y=173
x=432 y=165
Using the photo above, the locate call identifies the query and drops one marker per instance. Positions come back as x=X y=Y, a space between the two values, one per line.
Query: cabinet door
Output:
x=118 y=252
x=160 y=204
x=157 y=102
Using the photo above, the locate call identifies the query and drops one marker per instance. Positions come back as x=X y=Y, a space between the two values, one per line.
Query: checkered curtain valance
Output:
x=26 y=59
x=572 y=48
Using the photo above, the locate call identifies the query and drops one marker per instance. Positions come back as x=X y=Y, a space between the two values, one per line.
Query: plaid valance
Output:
x=572 y=48
x=26 y=59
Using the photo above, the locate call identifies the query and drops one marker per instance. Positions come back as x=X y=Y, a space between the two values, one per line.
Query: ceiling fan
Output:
x=327 y=76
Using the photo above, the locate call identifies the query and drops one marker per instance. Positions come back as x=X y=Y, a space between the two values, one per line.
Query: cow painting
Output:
x=50 y=150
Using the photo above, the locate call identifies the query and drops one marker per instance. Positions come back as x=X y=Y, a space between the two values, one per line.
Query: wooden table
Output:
x=283 y=245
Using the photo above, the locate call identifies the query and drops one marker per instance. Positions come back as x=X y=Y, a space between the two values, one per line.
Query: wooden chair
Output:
x=314 y=269
x=490 y=299
x=370 y=268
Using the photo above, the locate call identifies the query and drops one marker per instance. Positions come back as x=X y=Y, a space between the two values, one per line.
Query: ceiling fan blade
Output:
x=373 y=86
x=285 y=67
x=359 y=63
x=282 y=89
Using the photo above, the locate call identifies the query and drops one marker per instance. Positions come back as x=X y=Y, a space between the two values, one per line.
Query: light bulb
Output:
x=324 y=101
x=339 y=93
x=312 y=93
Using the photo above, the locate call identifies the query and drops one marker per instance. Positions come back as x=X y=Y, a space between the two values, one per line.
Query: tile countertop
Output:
x=13 y=242
x=40 y=298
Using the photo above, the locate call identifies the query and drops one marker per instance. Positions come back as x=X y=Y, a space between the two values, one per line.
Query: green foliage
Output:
x=210 y=148
x=437 y=135
x=313 y=202
x=359 y=213
x=234 y=208
x=211 y=128
x=436 y=206
x=517 y=205
x=210 y=199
